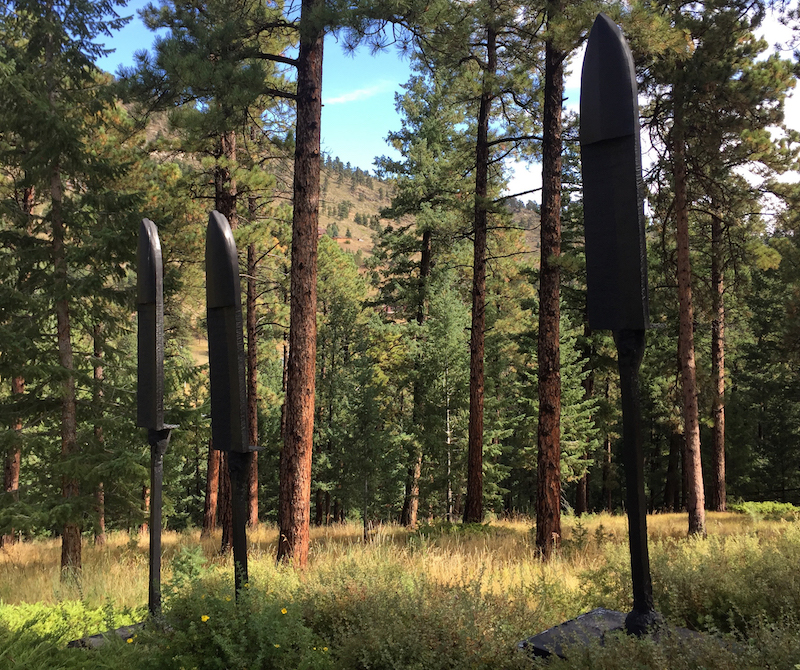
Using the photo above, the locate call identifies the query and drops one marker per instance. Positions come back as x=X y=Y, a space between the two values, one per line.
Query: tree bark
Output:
x=145 y=526
x=225 y=197
x=695 y=496
x=672 y=498
x=408 y=515
x=100 y=496
x=582 y=494
x=548 y=499
x=718 y=497
x=473 y=506
x=295 y=485
x=225 y=505
x=13 y=459
x=212 y=490
x=71 y=533
x=252 y=384
x=607 y=493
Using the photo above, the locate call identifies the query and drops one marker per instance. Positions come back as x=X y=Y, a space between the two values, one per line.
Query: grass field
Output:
x=440 y=597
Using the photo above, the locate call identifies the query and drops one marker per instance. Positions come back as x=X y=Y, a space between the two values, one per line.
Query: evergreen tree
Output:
x=52 y=95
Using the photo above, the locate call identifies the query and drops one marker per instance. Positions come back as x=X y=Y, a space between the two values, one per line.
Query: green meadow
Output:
x=442 y=596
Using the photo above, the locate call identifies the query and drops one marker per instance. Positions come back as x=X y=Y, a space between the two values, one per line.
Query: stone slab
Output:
x=583 y=630
x=95 y=641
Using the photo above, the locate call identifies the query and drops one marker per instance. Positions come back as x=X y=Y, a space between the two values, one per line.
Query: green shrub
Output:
x=769 y=511
x=207 y=629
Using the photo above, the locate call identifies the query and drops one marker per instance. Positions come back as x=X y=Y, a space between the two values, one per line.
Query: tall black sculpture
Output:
x=227 y=363
x=616 y=261
x=150 y=388
x=616 y=269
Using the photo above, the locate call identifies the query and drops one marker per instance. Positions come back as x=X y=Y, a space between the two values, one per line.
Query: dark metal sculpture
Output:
x=616 y=262
x=227 y=364
x=150 y=388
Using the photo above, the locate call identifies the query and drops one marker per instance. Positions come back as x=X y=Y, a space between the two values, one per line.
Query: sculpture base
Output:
x=95 y=641
x=586 y=629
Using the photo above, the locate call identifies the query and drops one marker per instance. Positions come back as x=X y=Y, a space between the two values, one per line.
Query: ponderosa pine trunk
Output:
x=473 y=505
x=100 y=496
x=672 y=497
x=225 y=505
x=13 y=458
x=295 y=470
x=71 y=533
x=548 y=498
x=225 y=196
x=408 y=515
x=212 y=492
x=252 y=384
x=718 y=496
x=695 y=495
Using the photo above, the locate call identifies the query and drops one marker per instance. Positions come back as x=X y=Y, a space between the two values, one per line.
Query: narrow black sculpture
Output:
x=227 y=363
x=150 y=388
x=616 y=262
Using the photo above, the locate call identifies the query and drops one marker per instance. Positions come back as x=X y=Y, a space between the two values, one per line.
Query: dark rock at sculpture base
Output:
x=594 y=626
x=586 y=629
x=95 y=641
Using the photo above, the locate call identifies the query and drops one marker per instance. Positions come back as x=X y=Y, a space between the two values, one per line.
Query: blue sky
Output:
x=358 y=96
x=359 y=90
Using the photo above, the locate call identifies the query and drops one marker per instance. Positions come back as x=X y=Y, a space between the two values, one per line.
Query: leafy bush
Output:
x=207 y=629
x=769 y=511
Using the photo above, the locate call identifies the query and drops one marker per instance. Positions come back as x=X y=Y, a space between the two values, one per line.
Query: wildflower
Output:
x=129 y=640
x=324 y=649
x=277 y=646
x=284 y=610
x=204 y=618
x=228 y=598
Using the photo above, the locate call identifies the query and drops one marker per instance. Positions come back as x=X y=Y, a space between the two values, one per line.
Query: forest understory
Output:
x=442 y=596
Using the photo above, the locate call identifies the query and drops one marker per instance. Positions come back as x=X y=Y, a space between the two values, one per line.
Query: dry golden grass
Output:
x=500 y=558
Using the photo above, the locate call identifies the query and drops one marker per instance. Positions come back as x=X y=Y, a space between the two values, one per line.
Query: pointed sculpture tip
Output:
x=222 y=263
x=149 y=263
x=609 y=105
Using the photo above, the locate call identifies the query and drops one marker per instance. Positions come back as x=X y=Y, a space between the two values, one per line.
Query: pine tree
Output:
x=49 y=64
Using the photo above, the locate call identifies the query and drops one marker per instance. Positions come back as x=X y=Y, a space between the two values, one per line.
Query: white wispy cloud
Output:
x=359 y=94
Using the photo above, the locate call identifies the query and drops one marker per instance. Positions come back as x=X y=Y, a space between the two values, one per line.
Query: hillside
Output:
x=351 y=199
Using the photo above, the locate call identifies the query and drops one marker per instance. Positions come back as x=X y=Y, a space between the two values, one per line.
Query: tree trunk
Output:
x=225 y=190
x=582 y=494
x=695 y=497
x=145 y=526
x=100 y=496
x=225 y=505
x=252 y=384
x=13 y=456
x=295 y=485
x=718 y=497
x=548 y=499
x=13 y=459
x=408 y=516
x=71 y=534
x=319 y=508
x=212 y=490
x=473 y=507
x=672 y=499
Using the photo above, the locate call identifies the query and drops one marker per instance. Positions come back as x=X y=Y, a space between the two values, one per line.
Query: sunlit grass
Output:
x=501 y=558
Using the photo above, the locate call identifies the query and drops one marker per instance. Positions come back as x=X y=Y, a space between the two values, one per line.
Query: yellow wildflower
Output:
x=204 y=618
x=284 y=610
x=129 y=640
x=277 y=646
